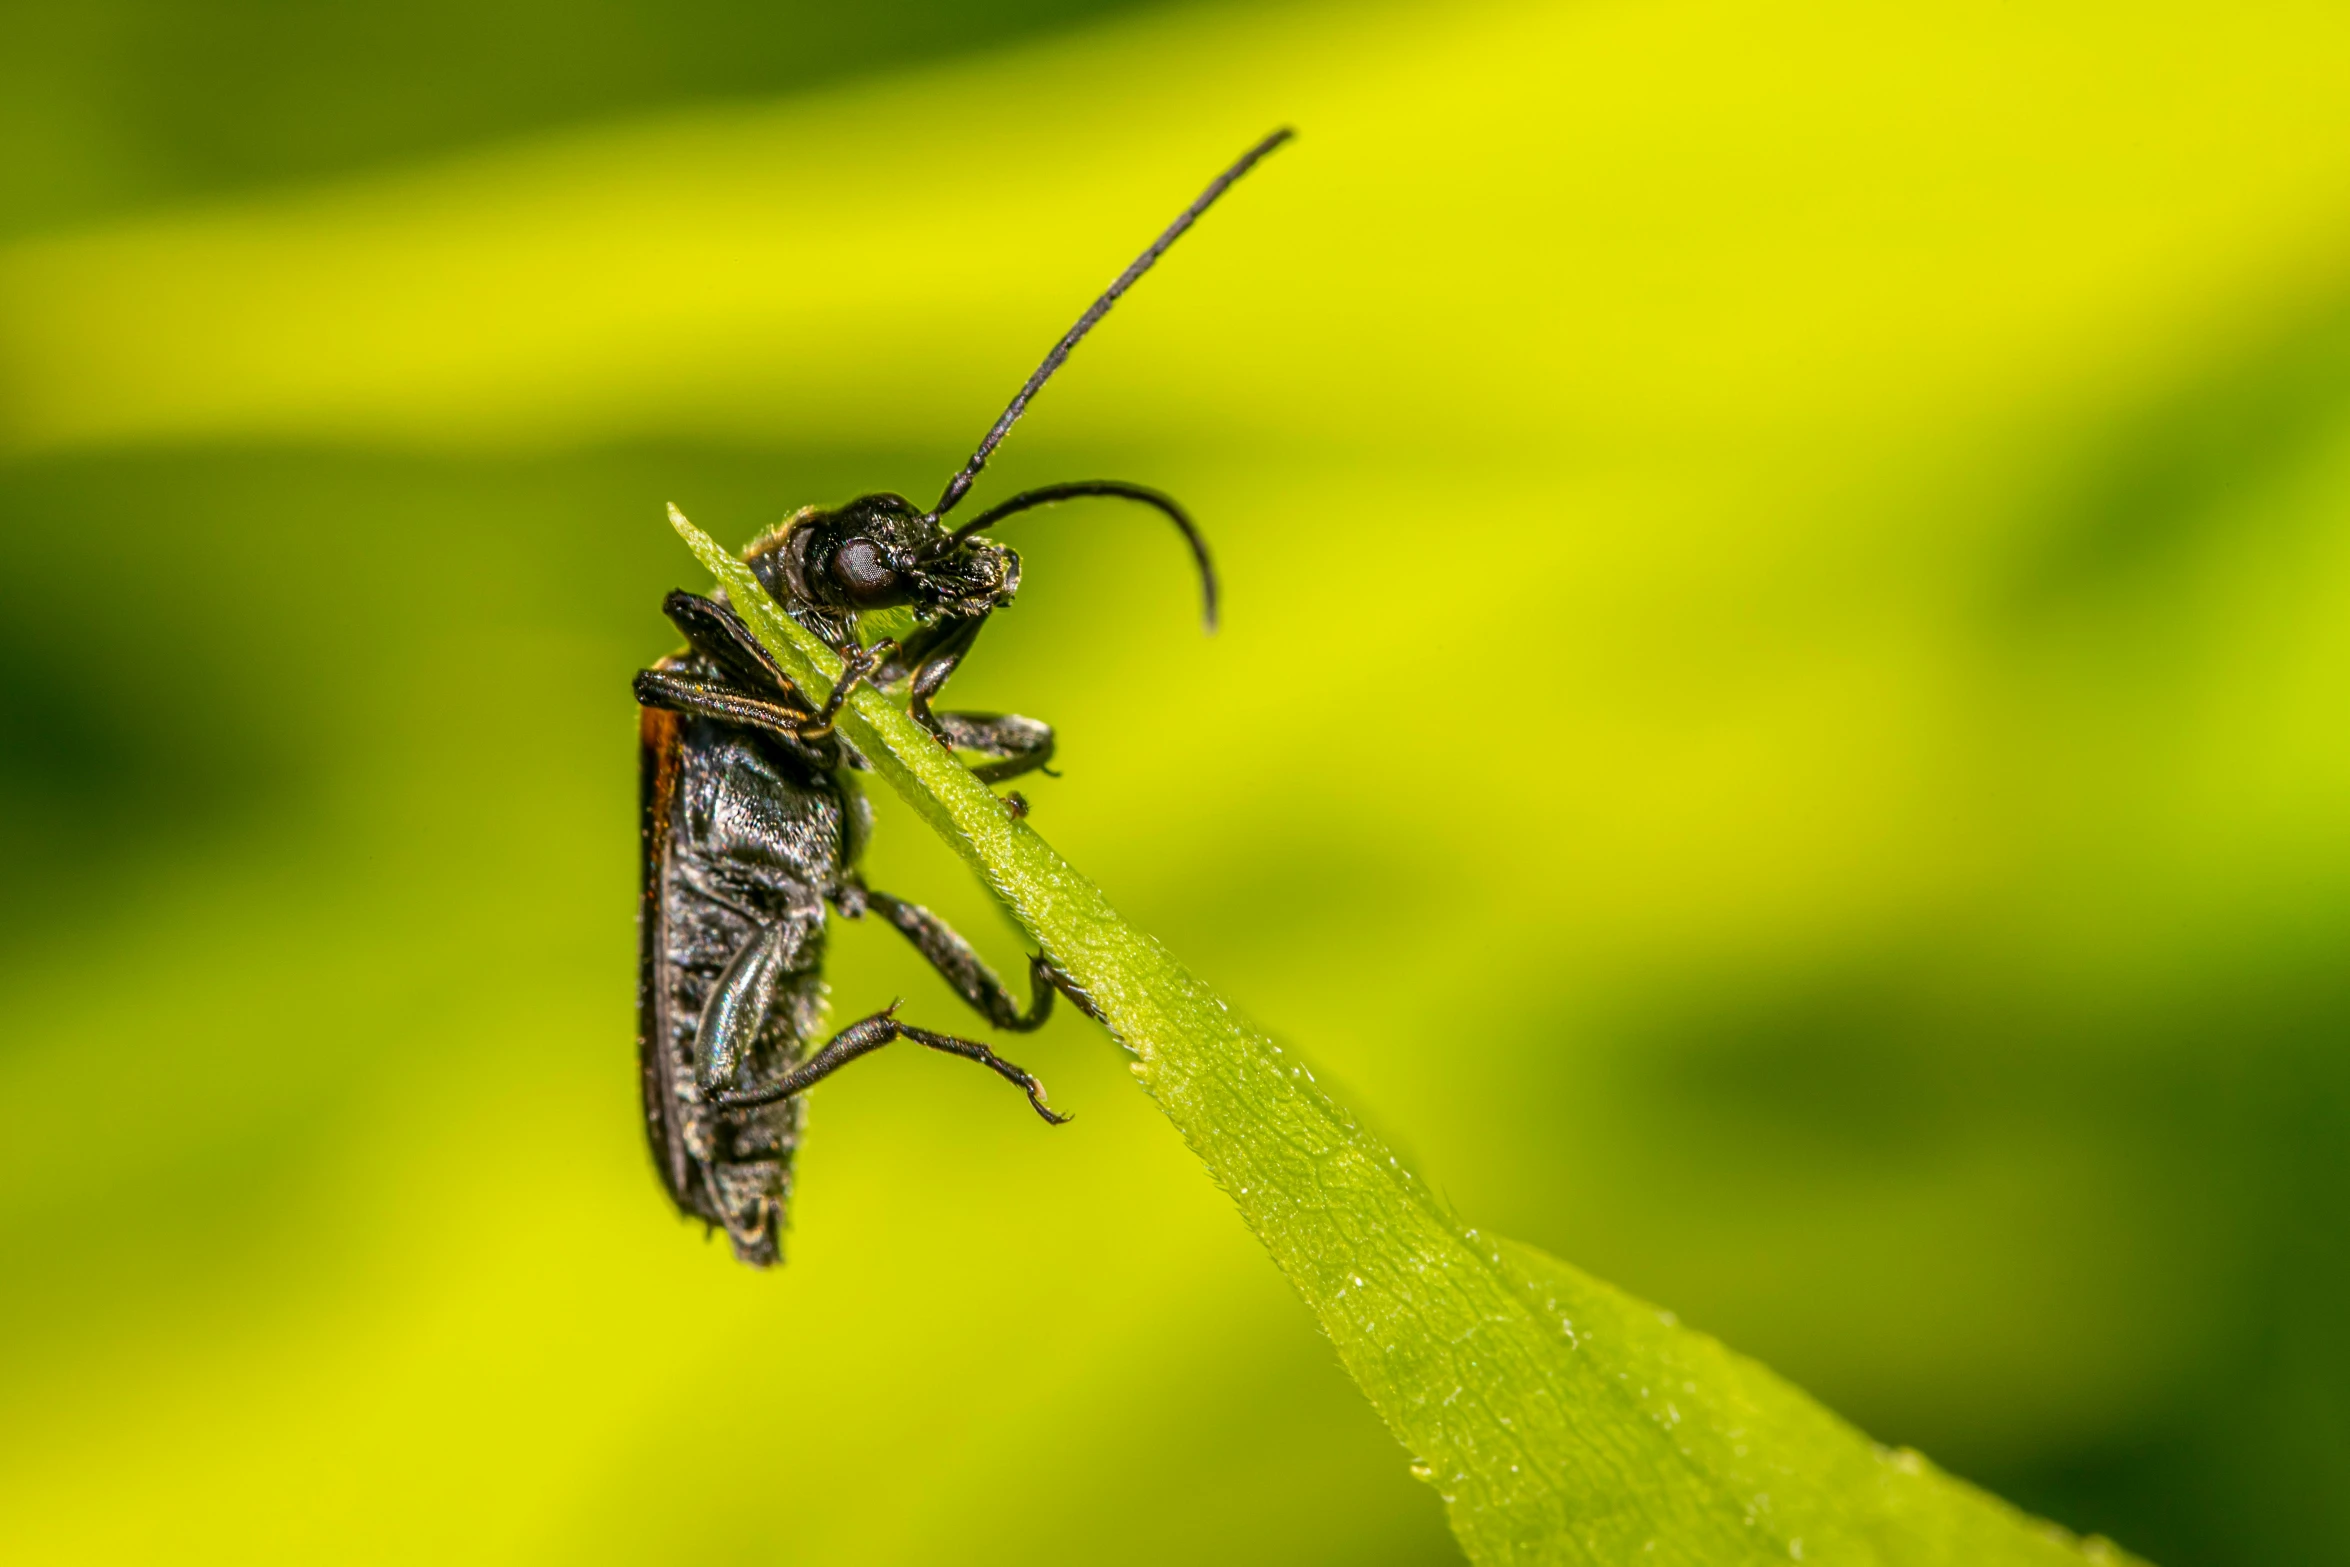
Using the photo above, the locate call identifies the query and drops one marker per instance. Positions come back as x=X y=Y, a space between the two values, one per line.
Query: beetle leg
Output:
x=709 y=699
x=736 y=1013
x=973 y=1050
x=1021 y=744
x=938 y=657
x=963 y=969
x=857 y=664
x=1024 y=744
x=1044 y=971
x=925 y=642
x=719 y=635
x=869 y=1034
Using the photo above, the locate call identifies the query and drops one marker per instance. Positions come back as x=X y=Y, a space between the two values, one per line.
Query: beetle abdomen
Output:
x=745 y=840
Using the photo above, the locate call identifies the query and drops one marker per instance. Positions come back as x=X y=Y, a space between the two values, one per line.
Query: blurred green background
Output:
x=1783 y=727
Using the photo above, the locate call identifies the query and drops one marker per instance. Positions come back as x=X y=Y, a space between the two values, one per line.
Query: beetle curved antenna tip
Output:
x=1116 y=489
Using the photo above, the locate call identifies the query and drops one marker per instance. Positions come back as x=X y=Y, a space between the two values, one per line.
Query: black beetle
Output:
x=751 y=822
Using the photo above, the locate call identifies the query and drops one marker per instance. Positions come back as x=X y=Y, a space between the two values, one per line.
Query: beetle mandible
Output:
x=752 y=822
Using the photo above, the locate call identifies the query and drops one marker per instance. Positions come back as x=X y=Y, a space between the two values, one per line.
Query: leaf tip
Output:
x=693 y=536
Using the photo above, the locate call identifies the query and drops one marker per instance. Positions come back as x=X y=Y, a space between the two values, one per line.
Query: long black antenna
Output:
x=961 y=483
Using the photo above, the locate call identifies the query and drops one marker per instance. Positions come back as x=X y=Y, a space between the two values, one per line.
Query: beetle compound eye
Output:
x=864 y=573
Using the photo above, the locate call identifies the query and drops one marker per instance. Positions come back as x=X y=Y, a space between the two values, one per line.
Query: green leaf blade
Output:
x=1561 y=1420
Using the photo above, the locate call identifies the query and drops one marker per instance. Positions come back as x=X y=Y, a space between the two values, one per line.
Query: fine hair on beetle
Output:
x=752 y=822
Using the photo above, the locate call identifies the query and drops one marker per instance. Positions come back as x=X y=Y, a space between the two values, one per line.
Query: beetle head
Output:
x=880 y=552
x=883 y=552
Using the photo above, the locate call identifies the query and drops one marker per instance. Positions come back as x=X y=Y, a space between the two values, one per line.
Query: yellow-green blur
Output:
x=1782 y=727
